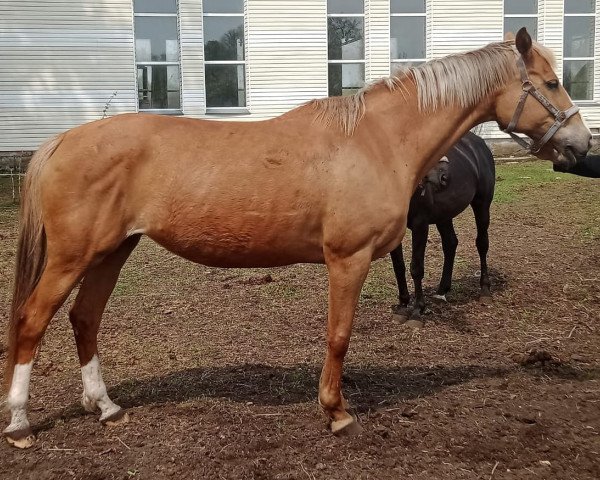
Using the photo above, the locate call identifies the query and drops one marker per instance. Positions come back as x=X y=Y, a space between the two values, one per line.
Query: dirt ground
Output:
x=219 y=368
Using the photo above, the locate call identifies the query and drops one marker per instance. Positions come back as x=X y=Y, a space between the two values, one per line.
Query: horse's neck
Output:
x=419 y=139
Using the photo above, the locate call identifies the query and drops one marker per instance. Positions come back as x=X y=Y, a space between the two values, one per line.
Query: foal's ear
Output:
x=509 y=36
x=523 y=42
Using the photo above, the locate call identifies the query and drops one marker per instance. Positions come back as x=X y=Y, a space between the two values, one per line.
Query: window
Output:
x=578 y=66
x=346 y=46
x=157 y=55
x=519 y=14
x=407 y=33
x=224 y=54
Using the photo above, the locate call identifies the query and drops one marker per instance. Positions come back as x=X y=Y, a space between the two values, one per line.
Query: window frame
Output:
x=520 y=15
x=165 y=111
x=227 y=110
x=587 y=59
x=362 y=62
x=395 y=62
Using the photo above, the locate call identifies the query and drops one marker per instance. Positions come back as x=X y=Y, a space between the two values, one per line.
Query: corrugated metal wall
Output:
x=61 y=60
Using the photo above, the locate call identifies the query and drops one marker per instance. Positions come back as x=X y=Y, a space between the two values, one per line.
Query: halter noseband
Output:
x=560 y=116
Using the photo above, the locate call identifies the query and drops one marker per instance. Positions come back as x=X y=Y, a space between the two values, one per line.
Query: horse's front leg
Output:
x=400 y=272
x=420 y=233
x=346 y=277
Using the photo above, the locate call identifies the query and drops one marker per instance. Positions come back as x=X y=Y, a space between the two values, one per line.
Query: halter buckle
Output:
x=561 y=116
x=527 y=86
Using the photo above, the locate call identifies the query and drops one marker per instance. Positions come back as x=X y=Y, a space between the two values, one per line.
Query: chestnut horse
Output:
x=328 y=182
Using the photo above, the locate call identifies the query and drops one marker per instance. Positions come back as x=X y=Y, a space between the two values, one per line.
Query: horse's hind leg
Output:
x=449 y=245
x=481 y=209
x=85 y=316
x=55 y=284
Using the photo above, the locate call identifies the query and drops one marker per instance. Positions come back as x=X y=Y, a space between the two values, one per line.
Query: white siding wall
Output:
x=464 y=25
x=192 y=57
x=286 y=54
x=377 y=45
x=60 y=62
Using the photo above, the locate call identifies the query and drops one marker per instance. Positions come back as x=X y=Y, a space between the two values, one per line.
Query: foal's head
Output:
x=564 y=139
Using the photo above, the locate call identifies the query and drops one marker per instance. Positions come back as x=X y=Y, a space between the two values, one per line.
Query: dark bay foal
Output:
x=466 y=176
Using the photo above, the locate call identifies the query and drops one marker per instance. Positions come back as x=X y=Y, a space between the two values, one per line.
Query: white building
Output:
x=67 y=62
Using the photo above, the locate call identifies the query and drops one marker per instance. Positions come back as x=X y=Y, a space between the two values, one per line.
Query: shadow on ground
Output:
x=366 y=388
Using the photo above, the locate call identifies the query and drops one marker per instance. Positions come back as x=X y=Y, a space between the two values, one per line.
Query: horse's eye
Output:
x=552 y=84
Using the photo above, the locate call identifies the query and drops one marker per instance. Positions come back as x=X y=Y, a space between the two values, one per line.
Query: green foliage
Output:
x=514 y=180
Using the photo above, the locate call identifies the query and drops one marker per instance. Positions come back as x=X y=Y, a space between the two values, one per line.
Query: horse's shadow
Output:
x=465 y=291
x=368 y=388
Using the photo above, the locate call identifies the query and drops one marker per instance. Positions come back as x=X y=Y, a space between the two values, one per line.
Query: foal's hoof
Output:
x=440 y=298
x=23 y=438
x=346 y=427
x=400 y=314
x=117 y=418
x=486 y=299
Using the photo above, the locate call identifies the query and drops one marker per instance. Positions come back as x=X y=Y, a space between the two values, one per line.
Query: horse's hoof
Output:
x=486 y=299
x=414 y=323
x=440 y=298
x=23 y=438
x=346 y=428
x=117 y=418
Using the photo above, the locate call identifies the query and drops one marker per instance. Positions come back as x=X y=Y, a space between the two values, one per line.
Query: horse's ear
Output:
x=523 y=42
x=509 y=36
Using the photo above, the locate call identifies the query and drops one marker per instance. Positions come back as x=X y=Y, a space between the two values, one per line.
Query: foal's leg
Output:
x=85 y=316
x=420 y=233
x=346 y=277
x=400 y=273
x=449 y=245
x=481 y=209
x=55 y=284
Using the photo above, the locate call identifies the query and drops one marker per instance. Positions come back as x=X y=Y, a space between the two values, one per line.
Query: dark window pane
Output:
x=407 y=6
x=399 y=66
x=579 y=79
x=345 y=38
x=156 y=39
x=580 y=6
x=158 y=86
x=225 y=86
x=514 y=24
x=345 y=6
x=223 y=38
x=408 y=37
x=520 y=6
x=155 y=6
x=345 y=78
x=223 y=6
x=579 y=37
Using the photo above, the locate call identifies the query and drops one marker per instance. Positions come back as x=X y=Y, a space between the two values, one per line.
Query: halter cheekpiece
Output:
x=560 y=116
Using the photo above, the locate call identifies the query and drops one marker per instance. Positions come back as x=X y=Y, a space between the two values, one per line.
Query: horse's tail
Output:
x=31 y=246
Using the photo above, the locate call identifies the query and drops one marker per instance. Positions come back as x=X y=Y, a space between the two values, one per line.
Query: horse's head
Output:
x=535 y=103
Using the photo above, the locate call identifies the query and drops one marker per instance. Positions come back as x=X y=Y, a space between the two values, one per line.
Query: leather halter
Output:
x=560 y=116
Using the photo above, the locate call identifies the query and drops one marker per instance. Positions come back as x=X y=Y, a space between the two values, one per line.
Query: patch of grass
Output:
x=379 y=286
x=591 y=232
x=513 y=180
x=281 y=290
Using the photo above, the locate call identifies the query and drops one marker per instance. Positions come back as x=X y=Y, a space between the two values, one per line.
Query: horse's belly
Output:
x=246 y=246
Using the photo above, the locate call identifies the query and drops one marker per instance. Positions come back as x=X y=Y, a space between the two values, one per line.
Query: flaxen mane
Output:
x=462 y=79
